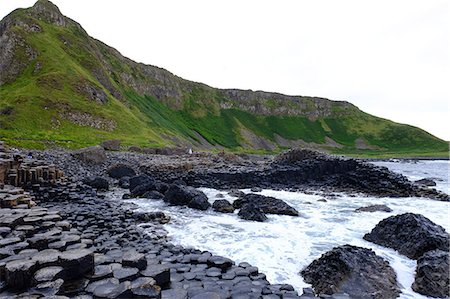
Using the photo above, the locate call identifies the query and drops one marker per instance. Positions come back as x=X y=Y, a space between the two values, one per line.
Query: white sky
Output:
x=390 y=58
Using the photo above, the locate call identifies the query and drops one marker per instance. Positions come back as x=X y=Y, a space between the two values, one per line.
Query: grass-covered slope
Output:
x=60 y=87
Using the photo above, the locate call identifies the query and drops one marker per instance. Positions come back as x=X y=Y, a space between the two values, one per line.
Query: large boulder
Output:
x=223 y=206
x=426 y=182
x=186 y=196
x=97 y=182
x=356 y=271
x=251 y=212
x=433 y=275
x=269 y=205
x=93 y=154
x=140 y=180
x=410 y=234
x=111 y=145
x=374 y=208
x=119 y=171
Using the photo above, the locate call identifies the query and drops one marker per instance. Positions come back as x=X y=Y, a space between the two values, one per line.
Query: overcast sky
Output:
x=390 y=58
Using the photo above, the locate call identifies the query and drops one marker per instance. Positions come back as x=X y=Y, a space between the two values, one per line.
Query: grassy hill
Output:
x=61 y=87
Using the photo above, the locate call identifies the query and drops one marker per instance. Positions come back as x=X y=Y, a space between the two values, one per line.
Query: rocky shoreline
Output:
x=66 y=239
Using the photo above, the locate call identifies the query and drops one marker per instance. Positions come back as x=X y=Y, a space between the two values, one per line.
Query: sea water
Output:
x=284 y=245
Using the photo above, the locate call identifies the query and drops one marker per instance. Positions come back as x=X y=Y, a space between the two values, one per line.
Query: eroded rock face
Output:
x=267 y=204
x=374 y=208
x=93 y=154
x=410 y=234
x=357 y=271
x=111 y=145
x=432 y=274
x=98 y=183
x=251 y=212
x=426 y=182
x=186 y=196
x=223 y=206
x=119 y=171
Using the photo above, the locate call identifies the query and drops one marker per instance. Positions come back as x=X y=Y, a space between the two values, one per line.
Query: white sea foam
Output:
x=284 y=245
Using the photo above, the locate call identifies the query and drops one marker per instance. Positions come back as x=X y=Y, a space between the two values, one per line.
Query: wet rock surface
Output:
x=410 y=234
x=266 y=204
x=374 y=208
x=179 y=195
x=355 y=271
x=433 y=275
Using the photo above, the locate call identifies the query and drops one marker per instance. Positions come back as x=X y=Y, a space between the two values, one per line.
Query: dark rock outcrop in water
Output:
x=223 y=206
x=410 y=234
x=433 y=275
x=357 y=271
x=267 y=204
x=426 y=182
x=298 y=169
x=251 y=212
x=186 y=196
x=374 y=208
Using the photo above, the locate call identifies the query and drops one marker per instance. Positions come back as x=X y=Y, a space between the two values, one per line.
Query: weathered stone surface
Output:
x=111 y=145
x=433 y=275
x=160 y=273
x=426 y=182
x=77 y=262
x=220 y=262
x=48 y=274
x=125 y=273
x=96 y=182
x=145 y=287
x=374 y=208
x=410 y=234
x=118 y=171
x=186 y=196
x=134 y=259
x=357 y=271
x=251 y=212
x=19 y=273
x=267 y=204
x=94 y=154
x=223 y=206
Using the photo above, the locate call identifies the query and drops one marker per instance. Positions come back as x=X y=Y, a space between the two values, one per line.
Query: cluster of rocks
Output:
x=360 y=273
x=16 y=170
x=76 y=243
x=12 y=197
x=252 y=206
x=298 y=169
x=417 y=237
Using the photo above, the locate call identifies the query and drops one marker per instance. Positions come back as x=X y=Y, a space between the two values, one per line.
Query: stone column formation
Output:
x=18 y=171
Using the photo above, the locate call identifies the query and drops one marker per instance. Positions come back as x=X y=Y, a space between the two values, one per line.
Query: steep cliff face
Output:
x=60 y=86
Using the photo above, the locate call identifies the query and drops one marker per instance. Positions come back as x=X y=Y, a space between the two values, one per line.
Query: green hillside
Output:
x=60 y=87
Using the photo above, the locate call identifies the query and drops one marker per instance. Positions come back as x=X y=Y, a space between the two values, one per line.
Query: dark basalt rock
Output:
x=374 y=208
x=267 y=204
x=160 y=273
x=357 y=271
x=251 y=212
x=134 y=259
x=77 y=262
x=119 y=171
x=154 y=195
x=48 y=274
x=98 y=183
x=410 y=234
x=426 y=182
x=220 y=262
x=140 y=180
x=19 y=273
x=186 y=196
x=223 y=206
x=143 y=189
x=433 y=275
x=160 y=217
